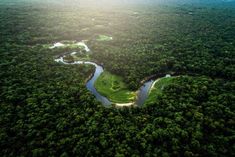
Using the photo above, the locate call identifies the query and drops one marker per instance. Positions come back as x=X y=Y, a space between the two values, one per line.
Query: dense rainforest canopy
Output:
x=46 y=110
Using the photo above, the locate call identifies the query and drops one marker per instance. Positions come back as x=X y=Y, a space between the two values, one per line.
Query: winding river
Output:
x=142 y=93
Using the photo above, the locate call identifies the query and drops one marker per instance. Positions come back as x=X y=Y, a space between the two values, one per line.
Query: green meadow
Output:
x=113 y=87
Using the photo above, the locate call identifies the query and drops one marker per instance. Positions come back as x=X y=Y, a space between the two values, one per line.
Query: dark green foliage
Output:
x=46 y=110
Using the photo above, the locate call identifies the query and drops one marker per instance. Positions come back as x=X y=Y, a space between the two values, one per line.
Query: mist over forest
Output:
x=117 y=78
x=103 y=3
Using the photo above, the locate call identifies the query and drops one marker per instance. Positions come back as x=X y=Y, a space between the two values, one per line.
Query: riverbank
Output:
x=125 y=104
x=158 y=87
x=114 y=88
x=111 y=89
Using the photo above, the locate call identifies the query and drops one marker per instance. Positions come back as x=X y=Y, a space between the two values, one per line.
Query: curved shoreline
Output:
x=142 y=93
x=154 y=84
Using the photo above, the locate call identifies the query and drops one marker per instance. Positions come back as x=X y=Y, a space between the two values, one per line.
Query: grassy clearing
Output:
x=157 y=88
x=104 y=38
x=114 y=88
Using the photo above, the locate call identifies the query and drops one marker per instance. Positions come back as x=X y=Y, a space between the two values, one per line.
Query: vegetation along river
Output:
x=142 y=93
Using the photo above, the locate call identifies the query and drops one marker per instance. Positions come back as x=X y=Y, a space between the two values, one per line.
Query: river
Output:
x=142 y=93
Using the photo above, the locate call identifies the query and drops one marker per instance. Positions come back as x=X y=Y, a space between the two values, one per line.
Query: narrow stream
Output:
x=90 y=85
x=142 y=92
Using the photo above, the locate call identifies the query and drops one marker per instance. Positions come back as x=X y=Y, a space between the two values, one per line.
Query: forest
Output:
x=46 y=109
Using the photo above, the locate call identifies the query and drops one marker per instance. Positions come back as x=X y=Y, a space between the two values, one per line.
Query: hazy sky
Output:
x=110 y=2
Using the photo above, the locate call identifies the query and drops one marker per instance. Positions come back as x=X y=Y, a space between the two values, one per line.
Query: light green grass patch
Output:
x=113 y=87
x=158 y=88
x=104 y=38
